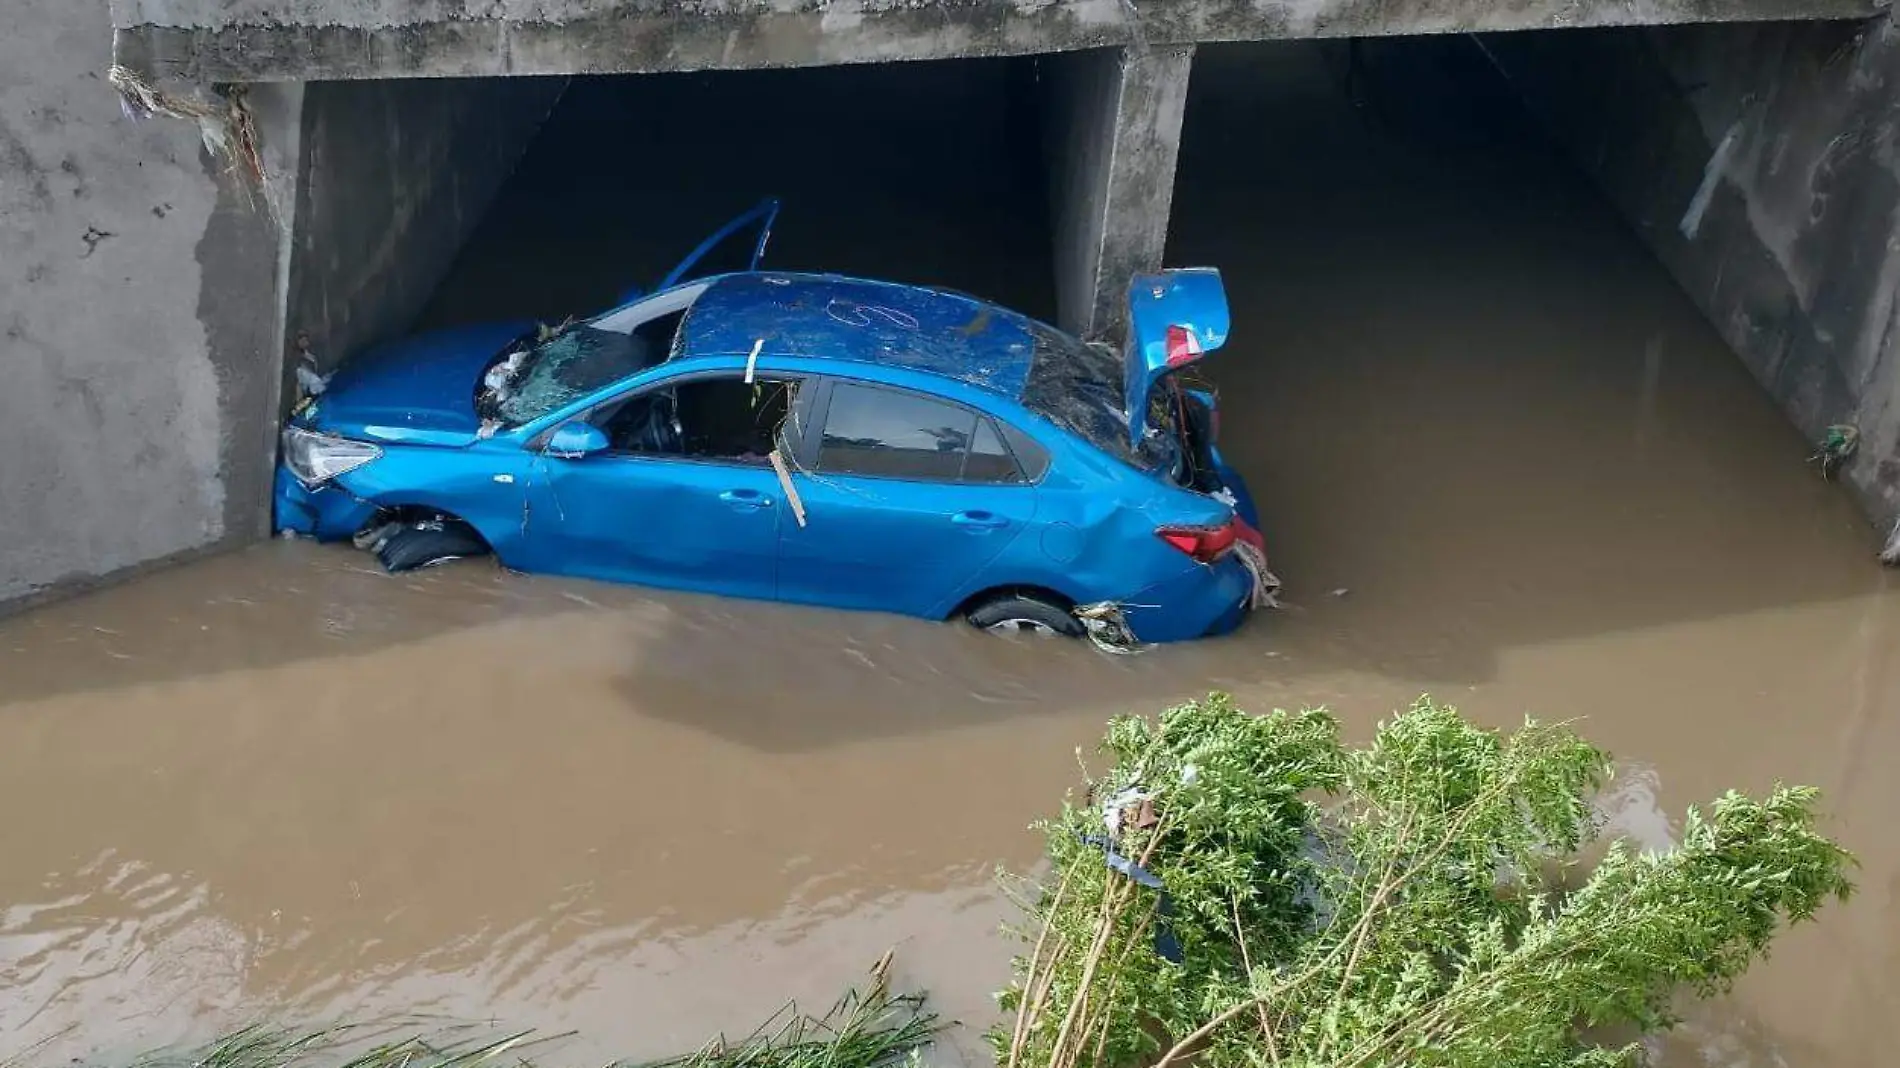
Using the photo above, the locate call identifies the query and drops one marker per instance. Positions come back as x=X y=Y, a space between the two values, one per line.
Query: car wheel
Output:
x=1021 y=613
x=429 y=542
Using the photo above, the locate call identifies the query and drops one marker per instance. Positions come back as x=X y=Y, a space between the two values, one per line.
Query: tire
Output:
x=1024 y=612
x=429 y=542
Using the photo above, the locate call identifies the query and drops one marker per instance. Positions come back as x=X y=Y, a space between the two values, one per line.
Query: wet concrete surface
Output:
x=1500 y=460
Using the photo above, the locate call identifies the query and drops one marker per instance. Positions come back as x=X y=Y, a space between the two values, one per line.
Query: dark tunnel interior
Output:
x=914 y=172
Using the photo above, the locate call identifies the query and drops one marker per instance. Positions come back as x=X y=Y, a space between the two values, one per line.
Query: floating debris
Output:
x=1836 y=447
x=1107 y=626
x=312 y=383
x=1266 y=585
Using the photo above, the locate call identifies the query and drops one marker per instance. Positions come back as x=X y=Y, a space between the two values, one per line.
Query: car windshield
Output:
x=543 y=372
x=1079 y=388
x=568 y=366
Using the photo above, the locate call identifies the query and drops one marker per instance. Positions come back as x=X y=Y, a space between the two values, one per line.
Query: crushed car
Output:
x=810 y=438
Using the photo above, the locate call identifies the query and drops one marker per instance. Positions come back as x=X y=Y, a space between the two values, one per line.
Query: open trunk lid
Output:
x=1175 y=318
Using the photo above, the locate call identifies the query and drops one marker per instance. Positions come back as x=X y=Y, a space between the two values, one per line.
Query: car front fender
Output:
x=482 y=487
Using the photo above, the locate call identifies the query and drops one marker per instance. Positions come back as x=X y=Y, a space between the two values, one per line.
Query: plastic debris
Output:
x=752 y=360
x=226 y=128
x=785 y=483
x=1107 y=626
x=499 y=380
x=1115 y=810
x=1134 y=807
x=1835 y=448
x=1266 y=585
x=1890 y=553
x=312 y=383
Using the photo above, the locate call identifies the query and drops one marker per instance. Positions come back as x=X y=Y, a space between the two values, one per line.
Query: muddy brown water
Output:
x=1501 y=460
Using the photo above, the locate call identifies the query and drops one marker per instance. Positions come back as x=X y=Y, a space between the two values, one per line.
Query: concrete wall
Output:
x=1112 y=126
x=266 y=40
x=395 y=177
x=1795 y=256
x=138 y=293
x=143 y=289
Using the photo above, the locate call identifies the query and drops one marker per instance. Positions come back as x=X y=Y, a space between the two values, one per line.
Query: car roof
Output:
x=822 y=316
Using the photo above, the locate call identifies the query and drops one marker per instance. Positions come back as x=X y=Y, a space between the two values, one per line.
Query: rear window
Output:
x=1078 y=387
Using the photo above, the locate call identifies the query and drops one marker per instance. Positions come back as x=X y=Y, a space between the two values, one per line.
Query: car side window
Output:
x=1032 y=457
x=990 y=460
x=712 y=417
x=894 y=434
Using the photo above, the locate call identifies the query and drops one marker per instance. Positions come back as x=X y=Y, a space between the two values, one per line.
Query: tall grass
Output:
x=868 y=1028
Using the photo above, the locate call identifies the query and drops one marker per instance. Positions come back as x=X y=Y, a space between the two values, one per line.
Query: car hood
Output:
x=419 y=389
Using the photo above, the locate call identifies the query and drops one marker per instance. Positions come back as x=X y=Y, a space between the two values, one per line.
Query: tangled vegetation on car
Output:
x=1250 y=891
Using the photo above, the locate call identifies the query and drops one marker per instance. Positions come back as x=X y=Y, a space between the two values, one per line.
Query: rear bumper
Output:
x=328 y=512
x=1201 y=602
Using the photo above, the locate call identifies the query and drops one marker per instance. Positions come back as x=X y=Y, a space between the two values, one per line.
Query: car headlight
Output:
x=317 y=458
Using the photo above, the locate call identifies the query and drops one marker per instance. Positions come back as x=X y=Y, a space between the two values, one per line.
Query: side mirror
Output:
x=577 y=439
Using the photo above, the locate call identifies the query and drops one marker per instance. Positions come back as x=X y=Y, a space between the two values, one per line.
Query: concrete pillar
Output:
x=1112 y=131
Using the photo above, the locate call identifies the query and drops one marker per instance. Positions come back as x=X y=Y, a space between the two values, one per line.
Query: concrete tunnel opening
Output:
x=927 y=172
x=431 y=203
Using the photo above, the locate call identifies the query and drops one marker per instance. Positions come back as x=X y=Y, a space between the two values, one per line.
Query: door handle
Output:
x=979 y=521
x=746 y=500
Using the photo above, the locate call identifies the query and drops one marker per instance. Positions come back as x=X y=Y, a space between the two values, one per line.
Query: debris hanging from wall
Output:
x=228 y=131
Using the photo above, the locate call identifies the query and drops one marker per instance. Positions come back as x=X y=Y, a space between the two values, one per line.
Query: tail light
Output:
x=1205 y=544
x=1183 y=346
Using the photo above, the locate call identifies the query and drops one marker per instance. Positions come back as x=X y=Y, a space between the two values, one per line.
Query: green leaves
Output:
x=1402 y=903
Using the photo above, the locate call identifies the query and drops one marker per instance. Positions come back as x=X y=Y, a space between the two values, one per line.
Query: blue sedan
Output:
x=810 y=438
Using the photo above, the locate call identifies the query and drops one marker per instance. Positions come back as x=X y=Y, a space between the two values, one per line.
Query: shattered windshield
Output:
x=533 y=381
x=1079 y=388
